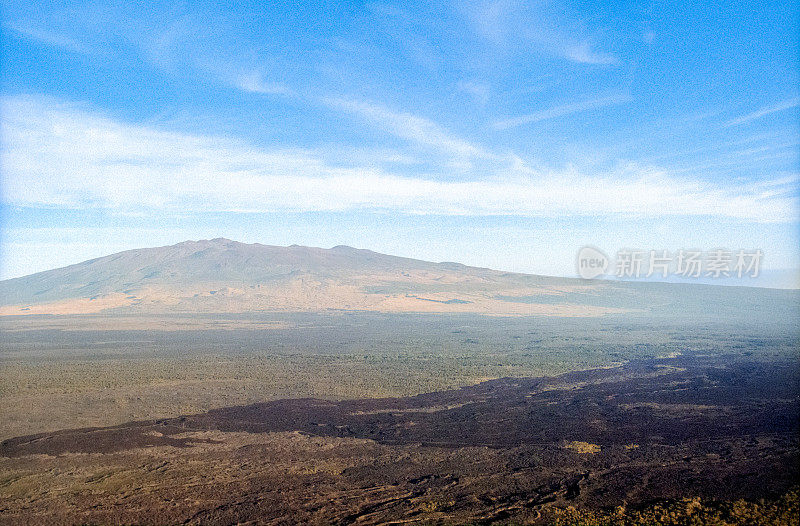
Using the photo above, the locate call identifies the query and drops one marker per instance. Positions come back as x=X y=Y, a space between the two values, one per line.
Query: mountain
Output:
x=224 y=276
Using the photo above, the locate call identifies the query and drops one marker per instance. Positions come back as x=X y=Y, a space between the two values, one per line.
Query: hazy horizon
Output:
x=778 y=279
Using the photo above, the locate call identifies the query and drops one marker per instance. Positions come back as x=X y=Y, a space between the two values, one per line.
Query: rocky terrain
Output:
x=215 y=382
x=524 y=449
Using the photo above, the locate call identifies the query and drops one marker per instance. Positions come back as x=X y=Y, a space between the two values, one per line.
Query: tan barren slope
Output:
x=224 y=276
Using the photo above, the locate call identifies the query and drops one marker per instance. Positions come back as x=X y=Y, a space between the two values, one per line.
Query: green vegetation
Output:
x=64 y=372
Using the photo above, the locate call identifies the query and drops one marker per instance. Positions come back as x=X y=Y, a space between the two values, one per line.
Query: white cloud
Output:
x=409 y=127
x=479 y=91
x=165 y=44
x=584 y=54
x=255 y=82
x=559 y=111
x=781 y=106
x=49 y=38
x=512 y=24
x=57 y=154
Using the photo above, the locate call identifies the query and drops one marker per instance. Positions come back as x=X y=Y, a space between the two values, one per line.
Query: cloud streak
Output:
x=560 y=111
x=57 y=154
x=583 y=53
x=763 y=112
x=255 y=82
x=408 y=126
x=49 y=38
x=510 y=24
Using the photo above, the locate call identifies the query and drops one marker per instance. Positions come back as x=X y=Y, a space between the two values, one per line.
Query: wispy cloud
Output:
x=510 y=24
x=57 y=154
x=408 y=32
x=166 y=44
x=49 y=38
x=559 y=111
x=256 y=82
x=479 y=91
x=408 y=126
x=763 y=112
x=584 y=54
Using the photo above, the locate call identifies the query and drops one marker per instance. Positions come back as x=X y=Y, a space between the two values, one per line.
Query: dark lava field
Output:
x=514 y=450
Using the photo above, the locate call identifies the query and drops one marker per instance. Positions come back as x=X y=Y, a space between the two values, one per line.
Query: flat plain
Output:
x=215 y=382
x=373 y=418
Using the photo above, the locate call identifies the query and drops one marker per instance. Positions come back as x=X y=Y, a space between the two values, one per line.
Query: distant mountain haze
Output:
x=224 y=276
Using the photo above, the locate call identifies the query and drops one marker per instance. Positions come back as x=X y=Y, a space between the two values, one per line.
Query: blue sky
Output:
x=503 y=134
